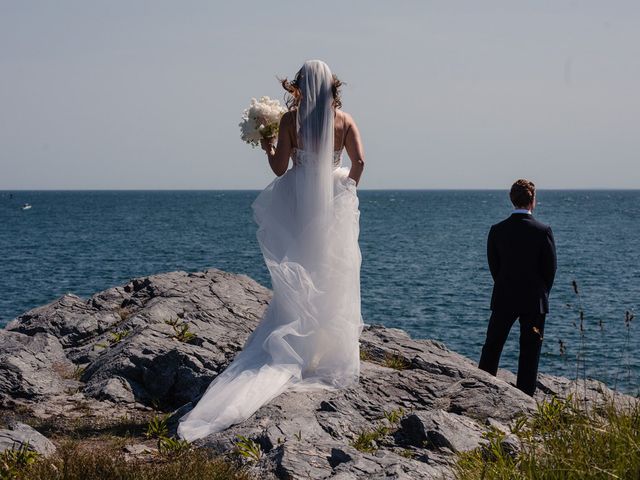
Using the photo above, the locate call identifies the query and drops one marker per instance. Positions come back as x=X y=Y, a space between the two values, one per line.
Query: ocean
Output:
x=424 y=263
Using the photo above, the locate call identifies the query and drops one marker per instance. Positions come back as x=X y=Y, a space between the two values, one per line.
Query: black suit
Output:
x=522 y=258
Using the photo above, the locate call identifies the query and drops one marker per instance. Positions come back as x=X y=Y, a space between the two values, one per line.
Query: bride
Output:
x=308 y=232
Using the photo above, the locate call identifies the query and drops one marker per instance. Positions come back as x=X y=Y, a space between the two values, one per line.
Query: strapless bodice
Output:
x=299 y=156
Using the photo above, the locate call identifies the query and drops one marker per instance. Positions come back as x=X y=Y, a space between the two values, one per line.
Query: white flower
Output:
x=261 y=120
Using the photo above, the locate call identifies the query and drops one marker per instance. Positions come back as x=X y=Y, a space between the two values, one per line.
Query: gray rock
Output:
x=158 y=341
x=122 y=342
x=19 y=434
x=69 y=319
x=440 y=429
x=511 y=445
x=139 y=449
x=114 y=389
x=31 y=366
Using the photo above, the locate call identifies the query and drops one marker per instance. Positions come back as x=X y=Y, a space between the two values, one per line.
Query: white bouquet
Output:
x=261 y=120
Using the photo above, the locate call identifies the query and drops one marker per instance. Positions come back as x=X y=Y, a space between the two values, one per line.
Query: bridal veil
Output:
x=308 y=233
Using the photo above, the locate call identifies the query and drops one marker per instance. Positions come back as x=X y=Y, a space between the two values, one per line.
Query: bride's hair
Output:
x=292 y=96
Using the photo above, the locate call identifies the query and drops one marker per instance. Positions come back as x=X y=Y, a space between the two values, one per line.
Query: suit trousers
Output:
x=531 y=335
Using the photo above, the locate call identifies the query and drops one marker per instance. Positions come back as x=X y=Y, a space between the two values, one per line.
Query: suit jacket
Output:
x=522 y=259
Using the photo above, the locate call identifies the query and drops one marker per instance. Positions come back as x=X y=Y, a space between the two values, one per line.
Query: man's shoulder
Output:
x=539 y=225
x=502 y=224
x=525 y=220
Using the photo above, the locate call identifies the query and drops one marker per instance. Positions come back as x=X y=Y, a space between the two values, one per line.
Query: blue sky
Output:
x=447 y=94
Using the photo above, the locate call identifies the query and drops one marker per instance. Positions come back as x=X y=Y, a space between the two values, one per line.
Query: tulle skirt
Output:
x=308 y=337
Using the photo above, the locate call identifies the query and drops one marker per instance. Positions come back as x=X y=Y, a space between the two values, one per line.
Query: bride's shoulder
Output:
x=288 y=121
x=346 y=118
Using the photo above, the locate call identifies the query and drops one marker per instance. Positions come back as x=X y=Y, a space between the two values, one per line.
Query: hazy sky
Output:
x=133 y=94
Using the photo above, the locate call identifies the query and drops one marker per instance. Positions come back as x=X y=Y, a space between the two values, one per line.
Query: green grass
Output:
x=78 y=371
x=157 y=427
x=75 y=461
x=396 y=362
x=114 y=339
x=406 y=453
x=118 y=336
x=92 y=449
x=394 y=416
x=172 y=447
x=369 y=439
x=16 y=459
x=364 y=355
x=386 y=359
x=248 y=449
x=181 y=330
x=562 y=440
x=183 y=334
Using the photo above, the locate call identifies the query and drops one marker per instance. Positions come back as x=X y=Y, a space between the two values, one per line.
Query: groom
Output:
x=522 y=259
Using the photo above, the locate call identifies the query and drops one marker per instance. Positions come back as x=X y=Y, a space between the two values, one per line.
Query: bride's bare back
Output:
x=346 y=135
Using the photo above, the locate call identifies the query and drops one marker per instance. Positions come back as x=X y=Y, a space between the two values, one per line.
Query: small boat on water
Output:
x=26 y=206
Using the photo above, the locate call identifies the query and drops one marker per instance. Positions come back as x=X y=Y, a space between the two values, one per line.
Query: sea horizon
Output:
x=453 y=189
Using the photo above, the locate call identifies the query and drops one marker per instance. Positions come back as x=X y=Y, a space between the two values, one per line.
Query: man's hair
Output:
x=522 y=193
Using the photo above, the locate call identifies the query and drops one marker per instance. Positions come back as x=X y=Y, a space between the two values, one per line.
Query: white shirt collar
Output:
x=522 y=210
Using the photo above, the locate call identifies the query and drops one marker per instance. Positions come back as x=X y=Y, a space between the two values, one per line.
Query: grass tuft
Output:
x=157 y=427
x=16 y=459
x=396 y=362
x=368 y=440
x=172 y=447
x=75 y=461
x=562 y=440
x=181 y=330
x=248 y=449
x=394 y=416
x=118 y=336
x=364 y=355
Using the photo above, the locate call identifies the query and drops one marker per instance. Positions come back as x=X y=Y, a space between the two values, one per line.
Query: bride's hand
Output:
x=267 y=144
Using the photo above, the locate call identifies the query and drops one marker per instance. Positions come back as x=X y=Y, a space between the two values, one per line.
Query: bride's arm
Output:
x=279 y=156
x=353 y=145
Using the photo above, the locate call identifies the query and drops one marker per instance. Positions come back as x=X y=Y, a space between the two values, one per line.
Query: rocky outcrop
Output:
x=21 y=435
x=157 y=342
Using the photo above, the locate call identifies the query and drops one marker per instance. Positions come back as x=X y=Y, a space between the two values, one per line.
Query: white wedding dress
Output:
x=308 y=226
